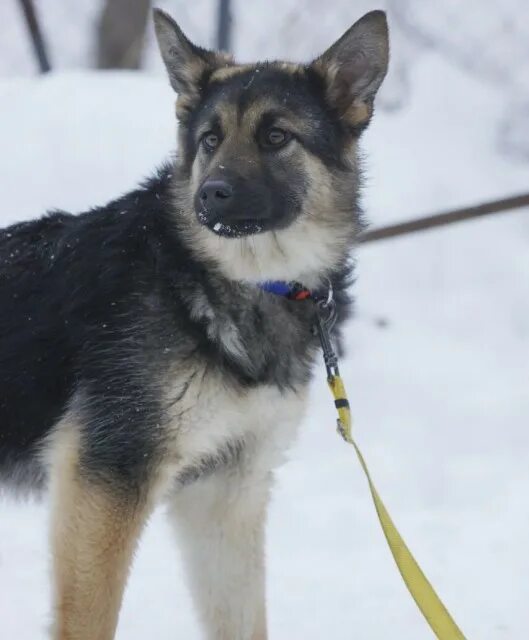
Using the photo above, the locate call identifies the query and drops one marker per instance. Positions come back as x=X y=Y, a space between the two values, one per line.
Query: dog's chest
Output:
x=211 y=421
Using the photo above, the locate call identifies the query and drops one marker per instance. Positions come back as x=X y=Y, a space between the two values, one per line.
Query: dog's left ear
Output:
x=354 y=67
x=186 y=64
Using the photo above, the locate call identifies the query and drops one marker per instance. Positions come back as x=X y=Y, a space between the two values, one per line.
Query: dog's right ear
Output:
x=186 y=63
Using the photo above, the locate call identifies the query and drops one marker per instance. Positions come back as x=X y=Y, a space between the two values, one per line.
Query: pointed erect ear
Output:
x=354 y=67
x=185 y=62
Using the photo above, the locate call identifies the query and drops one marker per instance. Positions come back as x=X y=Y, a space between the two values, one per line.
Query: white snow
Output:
x=437 y=371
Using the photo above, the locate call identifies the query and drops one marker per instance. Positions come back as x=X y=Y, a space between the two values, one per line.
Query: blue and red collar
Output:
x=323 y=296
x=325 y=315
x=290 y=290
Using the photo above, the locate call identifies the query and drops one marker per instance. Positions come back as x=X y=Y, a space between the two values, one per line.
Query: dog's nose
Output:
x=215 y=195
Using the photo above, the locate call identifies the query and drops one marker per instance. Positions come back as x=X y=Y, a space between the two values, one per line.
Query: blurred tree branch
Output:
x=32 y=23
x=120 y=34
x=224 y=26
x=447 y=217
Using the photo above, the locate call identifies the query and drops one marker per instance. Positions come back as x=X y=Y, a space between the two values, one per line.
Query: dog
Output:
x=152 y=349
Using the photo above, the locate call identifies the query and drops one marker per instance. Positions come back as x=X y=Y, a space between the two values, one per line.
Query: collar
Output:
x=291 y=290
x=324 y=318
x=323 y=297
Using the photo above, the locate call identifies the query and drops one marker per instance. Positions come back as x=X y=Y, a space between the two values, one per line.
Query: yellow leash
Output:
x=429 y=603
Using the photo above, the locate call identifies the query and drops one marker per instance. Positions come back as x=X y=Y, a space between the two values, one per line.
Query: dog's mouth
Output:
x=232 y=228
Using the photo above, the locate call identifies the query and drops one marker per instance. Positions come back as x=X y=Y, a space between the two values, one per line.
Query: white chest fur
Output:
x=207 y=414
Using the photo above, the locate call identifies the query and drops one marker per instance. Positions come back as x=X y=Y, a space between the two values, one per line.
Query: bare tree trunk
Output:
x=120 y=34
x=224 y=26
x=39 y=47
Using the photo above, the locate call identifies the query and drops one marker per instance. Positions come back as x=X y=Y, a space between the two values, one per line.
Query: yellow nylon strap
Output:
x=421 y=590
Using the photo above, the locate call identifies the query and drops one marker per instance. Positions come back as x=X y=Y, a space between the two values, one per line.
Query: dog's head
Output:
x=268 y=175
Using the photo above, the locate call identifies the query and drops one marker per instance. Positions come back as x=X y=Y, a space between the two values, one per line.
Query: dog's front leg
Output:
x=95 y=527
x=220 y=523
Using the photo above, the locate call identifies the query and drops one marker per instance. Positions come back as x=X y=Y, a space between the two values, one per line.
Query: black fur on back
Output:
x=97 y=307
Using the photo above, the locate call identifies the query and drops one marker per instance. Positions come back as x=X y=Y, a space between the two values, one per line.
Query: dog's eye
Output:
x=210 y=140
x=276 y=137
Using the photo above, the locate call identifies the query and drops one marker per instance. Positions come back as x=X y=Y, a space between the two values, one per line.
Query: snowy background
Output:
x=438 y=353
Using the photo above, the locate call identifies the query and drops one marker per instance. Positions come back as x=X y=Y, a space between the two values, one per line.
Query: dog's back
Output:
x=63 y=280
x=35 y=353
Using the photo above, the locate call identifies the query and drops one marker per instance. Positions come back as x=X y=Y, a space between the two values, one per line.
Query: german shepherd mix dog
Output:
x=143 y=353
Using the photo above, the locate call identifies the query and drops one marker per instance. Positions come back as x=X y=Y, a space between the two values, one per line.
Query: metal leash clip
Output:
x=325 y=320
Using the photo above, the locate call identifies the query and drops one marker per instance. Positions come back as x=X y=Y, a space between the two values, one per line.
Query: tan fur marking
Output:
x=192 y=71
x=255 y=111
x=300 y=126
x=223 y=73
x=291 y=67
x=94 y=534
x=320 y=205
x=184 y=105
x=227 y=113
x=197 y=65
x=357 y=113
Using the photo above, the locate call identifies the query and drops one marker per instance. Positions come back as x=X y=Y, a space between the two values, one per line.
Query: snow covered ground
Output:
x=437 y=370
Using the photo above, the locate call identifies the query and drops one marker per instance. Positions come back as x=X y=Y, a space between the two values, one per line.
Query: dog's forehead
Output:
x=252 y=90
x=234 y=70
